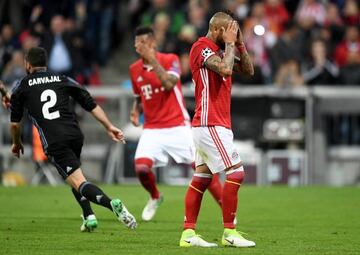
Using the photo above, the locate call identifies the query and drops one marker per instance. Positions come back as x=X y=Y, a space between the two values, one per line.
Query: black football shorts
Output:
x=65 y=156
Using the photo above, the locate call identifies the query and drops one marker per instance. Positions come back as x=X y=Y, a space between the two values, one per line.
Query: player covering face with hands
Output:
x=158 y=95
x=212 y=62
x=46 y=97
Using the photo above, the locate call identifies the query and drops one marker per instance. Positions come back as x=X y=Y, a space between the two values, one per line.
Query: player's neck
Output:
x=38 y=69
x=210 y=36
x=146 y=62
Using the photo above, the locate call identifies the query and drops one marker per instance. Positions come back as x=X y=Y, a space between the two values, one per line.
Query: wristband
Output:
x=242 y=48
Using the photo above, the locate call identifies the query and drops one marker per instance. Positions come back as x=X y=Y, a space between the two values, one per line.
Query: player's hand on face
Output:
x=240 y=37
x=134 y=118
x=17 y=150
x=145 y=51
x=230 y=33
x=116 y=134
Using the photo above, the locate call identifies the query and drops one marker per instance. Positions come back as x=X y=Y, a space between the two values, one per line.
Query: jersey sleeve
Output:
x=204 y=53
x=173 y=65
x=81 y=95
x=17 y=104
x=135 y=88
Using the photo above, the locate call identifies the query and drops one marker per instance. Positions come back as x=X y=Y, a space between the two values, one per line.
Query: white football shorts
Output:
x=215 y=148
x=160 y=144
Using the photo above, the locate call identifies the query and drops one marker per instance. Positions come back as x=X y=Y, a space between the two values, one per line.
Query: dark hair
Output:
x=37 y=57
x=144 y=30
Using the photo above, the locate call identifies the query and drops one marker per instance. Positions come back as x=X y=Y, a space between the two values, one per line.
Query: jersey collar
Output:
x=208 y=41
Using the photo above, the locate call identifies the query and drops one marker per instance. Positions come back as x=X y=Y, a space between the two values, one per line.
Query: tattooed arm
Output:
x=223 y=66
x=168 y=81
x=244 y=66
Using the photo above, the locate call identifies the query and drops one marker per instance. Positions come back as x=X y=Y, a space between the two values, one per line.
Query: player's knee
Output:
x=143 y=165
x=236 y=174
x=76 y=178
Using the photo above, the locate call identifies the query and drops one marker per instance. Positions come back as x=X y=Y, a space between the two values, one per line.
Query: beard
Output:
x=220 y=43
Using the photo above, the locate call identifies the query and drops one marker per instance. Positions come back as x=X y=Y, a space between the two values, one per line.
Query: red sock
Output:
x=232 y=184
x=215 y=187
x=146 y=176
x=193 y=198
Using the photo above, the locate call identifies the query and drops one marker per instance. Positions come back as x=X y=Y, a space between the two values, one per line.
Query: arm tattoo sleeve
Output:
x=229 y=55
x=244 y=66
x=225 y=65
x=168 y=81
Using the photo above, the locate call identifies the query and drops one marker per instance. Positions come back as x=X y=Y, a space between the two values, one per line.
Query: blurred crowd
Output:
x=76 y=34
x=291 y=42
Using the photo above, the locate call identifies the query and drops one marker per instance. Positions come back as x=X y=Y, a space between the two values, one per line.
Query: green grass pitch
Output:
x=281 y=220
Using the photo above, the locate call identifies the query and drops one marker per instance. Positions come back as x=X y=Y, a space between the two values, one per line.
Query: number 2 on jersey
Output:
x=49 y=103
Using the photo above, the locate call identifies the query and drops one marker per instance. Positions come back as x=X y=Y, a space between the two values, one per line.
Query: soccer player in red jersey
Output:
x=215 y=152
x=157 y=89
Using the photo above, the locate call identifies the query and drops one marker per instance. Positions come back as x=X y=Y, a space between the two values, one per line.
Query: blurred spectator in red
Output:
x=14 y=70
x=319 y=70
x=259 y=36
x=28 y=41
x=289 y=75
x=276 y=12
x=347 y=56
x=351 y=12
x=310 y=13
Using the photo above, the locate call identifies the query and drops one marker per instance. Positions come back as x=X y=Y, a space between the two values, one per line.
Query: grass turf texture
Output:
x=281 y=220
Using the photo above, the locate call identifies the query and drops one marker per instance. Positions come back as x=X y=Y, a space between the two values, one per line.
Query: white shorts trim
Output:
x=215 y=148
x=160 y=144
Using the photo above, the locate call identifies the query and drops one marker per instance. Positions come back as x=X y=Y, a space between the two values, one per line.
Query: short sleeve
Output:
x=16 y=103
x=173 y=65
x=81 y=95
x=205 y=53
x=135 y=88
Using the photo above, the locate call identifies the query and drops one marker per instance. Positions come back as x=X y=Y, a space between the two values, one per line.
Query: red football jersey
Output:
x=212 y=91
x=162 y=109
